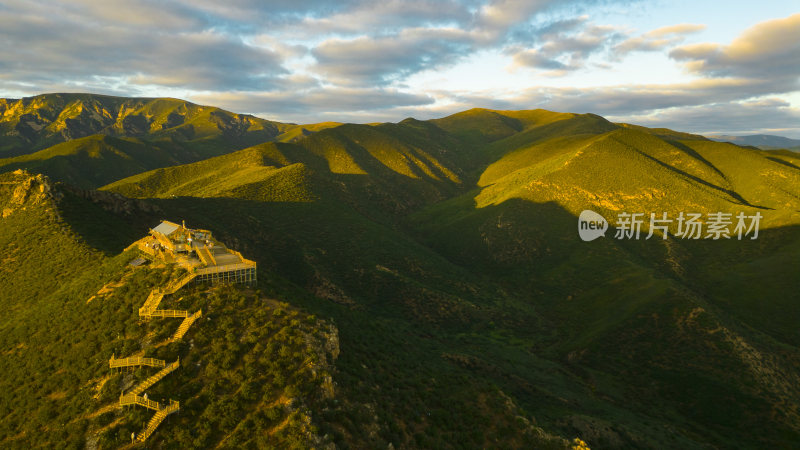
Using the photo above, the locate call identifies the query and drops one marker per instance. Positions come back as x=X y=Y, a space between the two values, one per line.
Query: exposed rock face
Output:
x=231 y=125
x=27 y=190
x=33 y=123
x=54 y=116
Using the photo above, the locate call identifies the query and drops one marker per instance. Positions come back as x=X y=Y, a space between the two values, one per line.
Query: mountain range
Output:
x=442 y=258
x=762 y=141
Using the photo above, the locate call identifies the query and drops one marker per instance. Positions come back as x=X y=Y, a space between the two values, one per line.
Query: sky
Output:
x=700 y=66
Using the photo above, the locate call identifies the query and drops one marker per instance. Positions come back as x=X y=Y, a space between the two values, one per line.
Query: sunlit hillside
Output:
x=441 y=256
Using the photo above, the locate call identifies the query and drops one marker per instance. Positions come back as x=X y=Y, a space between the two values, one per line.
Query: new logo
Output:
x=591 y=225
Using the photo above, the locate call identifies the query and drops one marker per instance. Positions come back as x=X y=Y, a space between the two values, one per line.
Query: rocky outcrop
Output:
x=38 y=122
x=21 y=189
x=25 y=190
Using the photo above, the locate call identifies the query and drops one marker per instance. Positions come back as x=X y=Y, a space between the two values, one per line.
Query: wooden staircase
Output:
x=187 y=322
x=141 y=387
x=149 y=310
x=156 y=420
x=150 y=307
x=206 y=257
x=175 y=285
x=152 y=302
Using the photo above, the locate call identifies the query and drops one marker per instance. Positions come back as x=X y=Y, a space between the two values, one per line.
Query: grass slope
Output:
x=68 y=308
x=469 y=312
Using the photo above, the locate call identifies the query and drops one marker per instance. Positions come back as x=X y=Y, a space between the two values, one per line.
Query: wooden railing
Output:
x=225 y=268
x=135 y=361
x=187 y=322
x=175 y=285
x=141 y=387
x=206 y=256
x=169 y=313
x=156 y=420
x=244 y=260
x=149 y=309
x=133 y=399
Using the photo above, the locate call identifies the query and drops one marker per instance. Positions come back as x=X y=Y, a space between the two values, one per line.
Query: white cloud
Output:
x=376 y=60
x=304 y=60
x=767 y=50
x=657 y=39
x=564 y=46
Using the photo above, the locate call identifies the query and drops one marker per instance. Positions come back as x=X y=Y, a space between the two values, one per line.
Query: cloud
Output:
x=498 y=16
x=644 y=98
x=672 y=30
x=47 y=50
x=147 y=14
x=657 y=39
x=411 y=36
x=564 y=46
x=767 y=50
x=254 y=14
x=390 y=15
x=306 y=60
x=378 y=61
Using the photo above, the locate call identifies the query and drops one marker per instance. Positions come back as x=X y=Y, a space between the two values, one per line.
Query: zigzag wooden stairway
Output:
x=173 y=245
x=187 y=322
x=150 y=307
x=148 y=311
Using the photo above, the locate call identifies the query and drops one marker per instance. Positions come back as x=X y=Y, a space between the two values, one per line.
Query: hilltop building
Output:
x=198 y=252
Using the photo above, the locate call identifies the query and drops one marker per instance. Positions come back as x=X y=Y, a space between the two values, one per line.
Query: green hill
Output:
x=285 y=406
x=96 y=160
x=33 y=123
x=90 y=140
x=468 y=311
x=68 y=308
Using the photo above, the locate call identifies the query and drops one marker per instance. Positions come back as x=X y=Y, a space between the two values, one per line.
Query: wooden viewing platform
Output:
x=206 y=260
x=133 y=361
x=198 y=252
x=133 y=399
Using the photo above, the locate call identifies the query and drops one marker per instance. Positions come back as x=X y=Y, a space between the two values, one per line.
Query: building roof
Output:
x=166 y=228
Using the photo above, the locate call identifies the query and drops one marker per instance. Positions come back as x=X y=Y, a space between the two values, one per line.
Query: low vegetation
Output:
x=467 y=312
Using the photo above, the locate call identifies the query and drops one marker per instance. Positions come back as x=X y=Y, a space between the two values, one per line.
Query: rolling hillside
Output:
x=468 y=311
x=34 y=123
x=91 y=140
x=288 y=406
